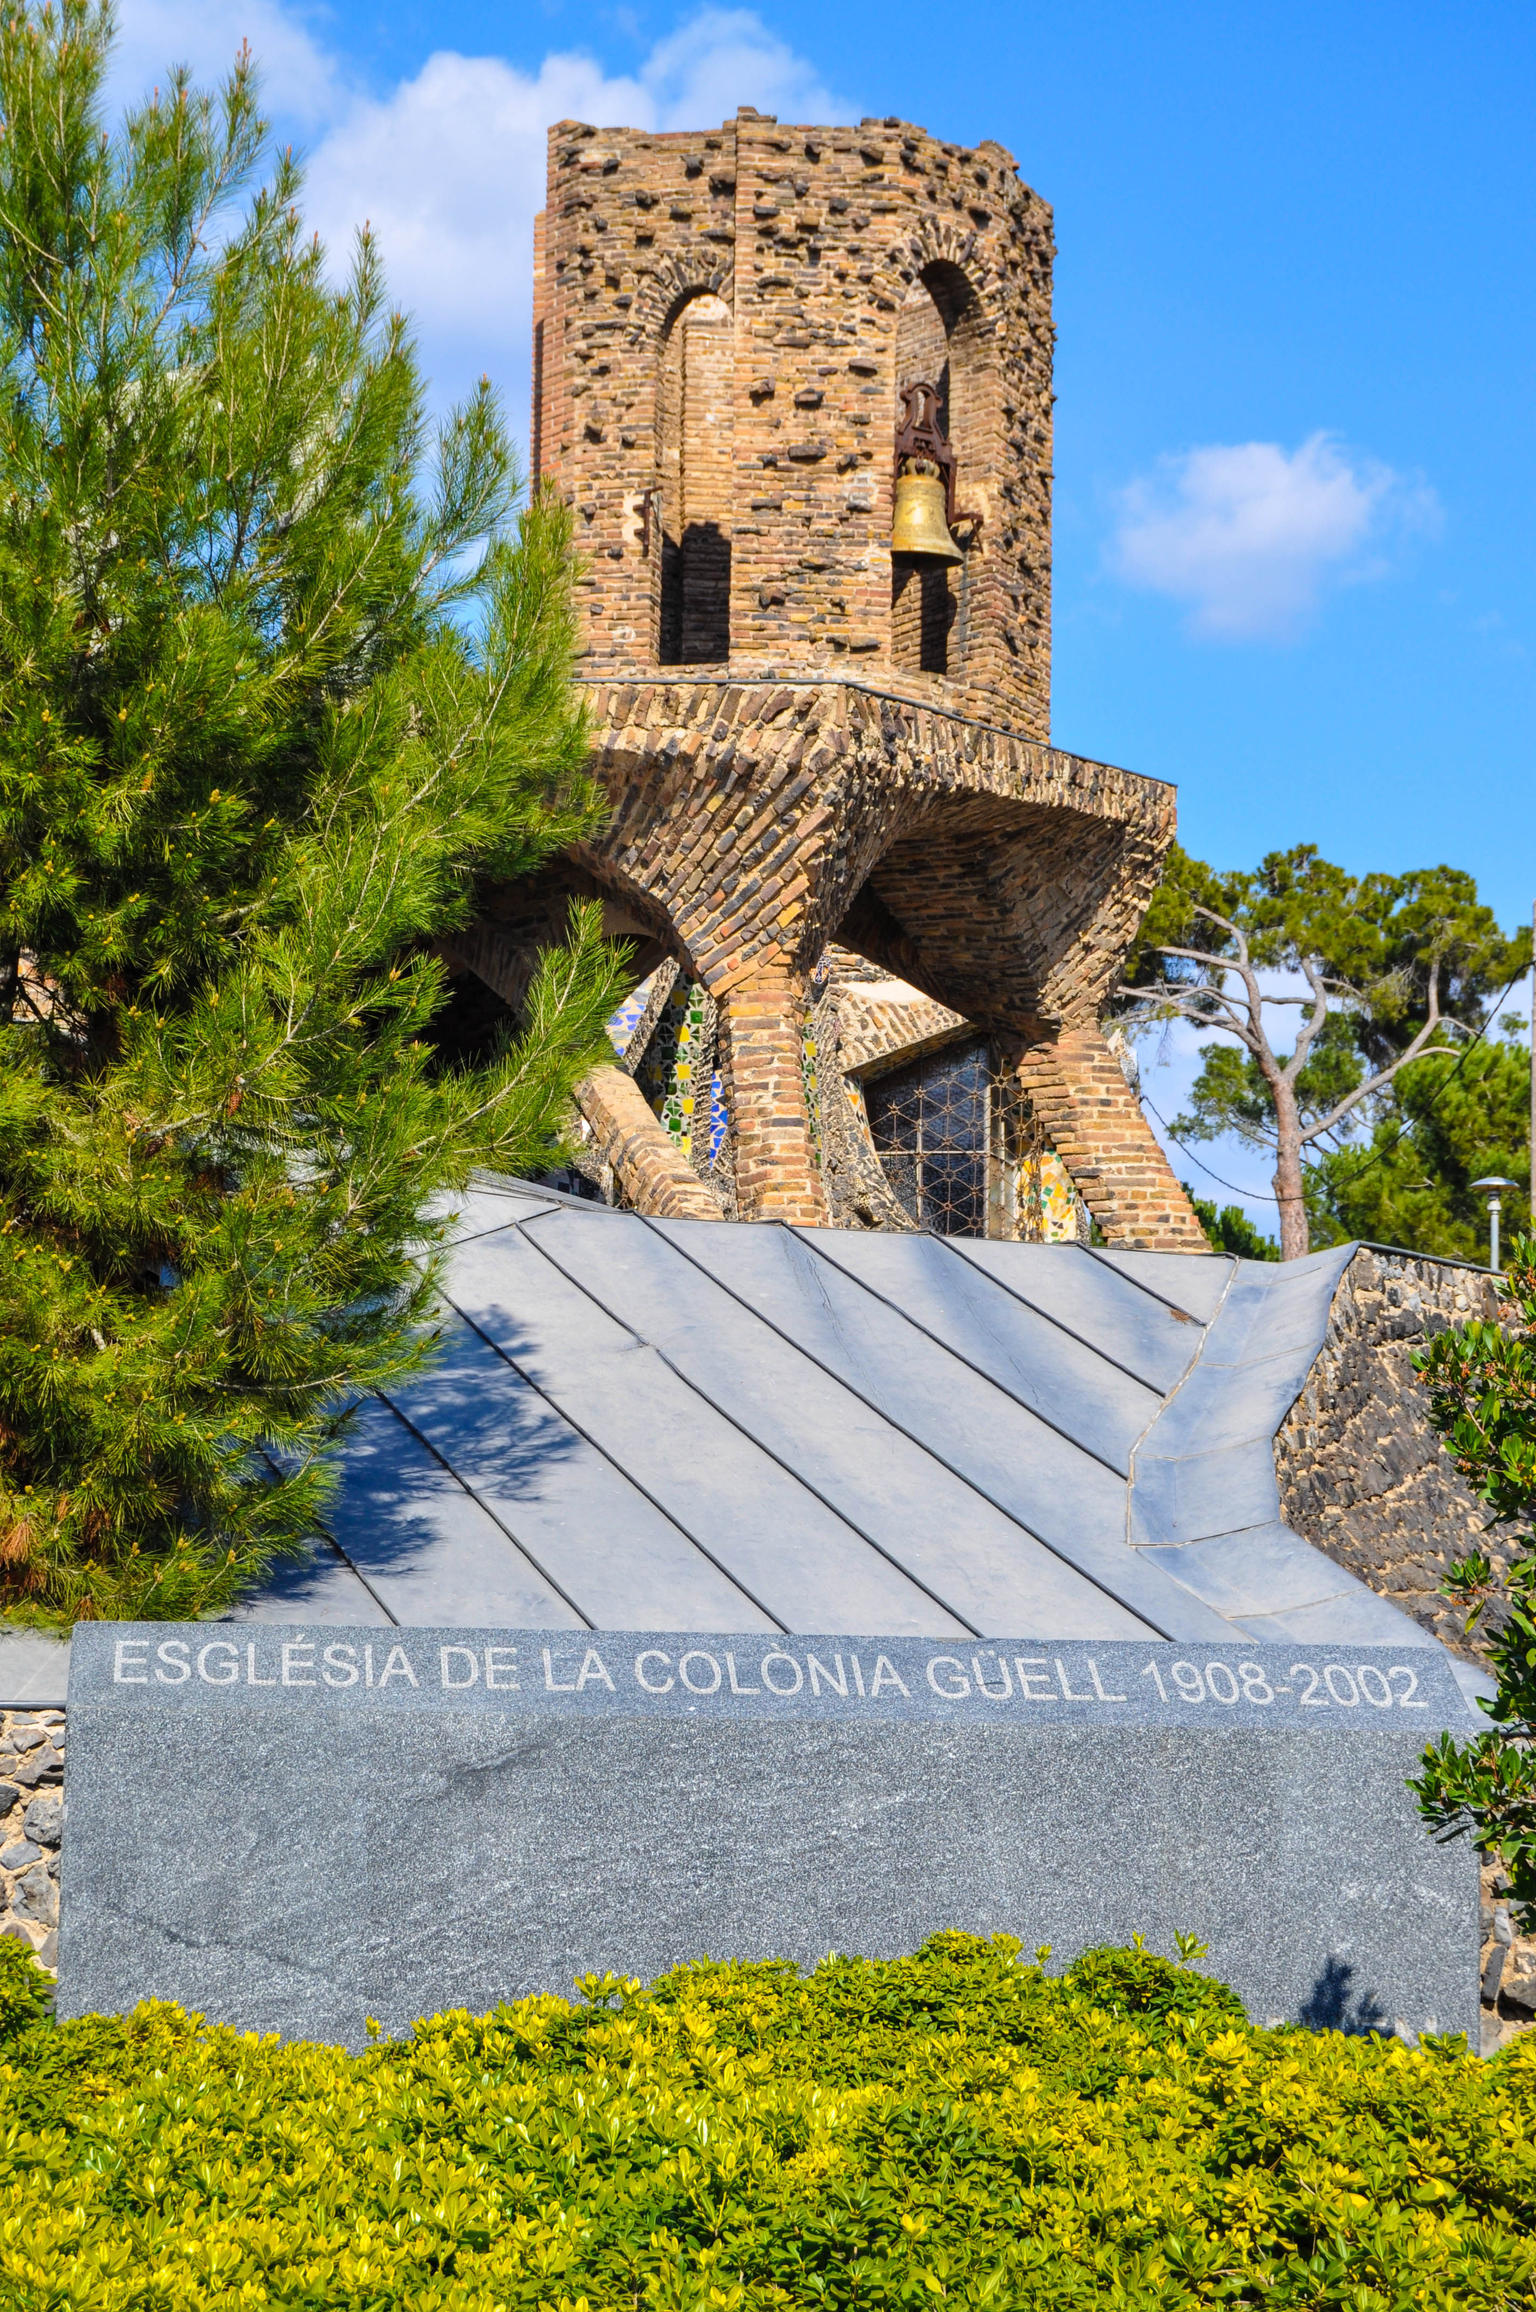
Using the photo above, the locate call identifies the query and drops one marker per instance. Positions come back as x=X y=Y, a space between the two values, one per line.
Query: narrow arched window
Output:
x=929 y=1122
x=923 y=594
x=938 y=344
x=694 y=439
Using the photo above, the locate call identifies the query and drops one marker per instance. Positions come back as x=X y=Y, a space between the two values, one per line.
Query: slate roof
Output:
x=697 y=1425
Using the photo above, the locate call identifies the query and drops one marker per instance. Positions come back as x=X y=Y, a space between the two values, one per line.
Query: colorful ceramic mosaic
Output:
x=1049 y=1207
x=627 y=1018
x=808 y=1078
x=665 y=1074
x=678 y=1076
x=719 y=1122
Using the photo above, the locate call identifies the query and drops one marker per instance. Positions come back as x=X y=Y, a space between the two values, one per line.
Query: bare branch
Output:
x=1192 y=1004
x=1307 y=1032
x=1419 y=1049
x=1236 y=931
x=1199 y=955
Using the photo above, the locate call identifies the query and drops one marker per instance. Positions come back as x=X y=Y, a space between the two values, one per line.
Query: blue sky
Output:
x=1296 y=445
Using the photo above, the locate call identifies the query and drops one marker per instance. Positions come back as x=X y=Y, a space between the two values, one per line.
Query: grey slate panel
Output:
x=705 y=1426
x=34 y=1670
x=401 y=1849
x=1204 y=1501
x=477 y=1211
x=1264 y=1570
x=1476 y=1685
x=1223 y=1405
x=1206 y=1465
x=970 y=1554
x=1197 y=1496
x=1048 y=1370
x=803 y=1564
x=321 y=1586
x=1190 y=1280
x=611 y=1551
x=1054 y=1489
x=1276 y=1311
x=1355 y=1617
x=427 y=1547
x=1116 y=1317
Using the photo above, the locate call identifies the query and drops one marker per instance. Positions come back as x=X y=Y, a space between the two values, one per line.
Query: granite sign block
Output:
x=295 y=1829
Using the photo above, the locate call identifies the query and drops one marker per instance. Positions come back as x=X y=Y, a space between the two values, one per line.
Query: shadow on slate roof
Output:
x=693 y=1425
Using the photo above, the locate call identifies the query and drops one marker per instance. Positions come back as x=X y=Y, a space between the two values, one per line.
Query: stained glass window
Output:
x=929 y=1126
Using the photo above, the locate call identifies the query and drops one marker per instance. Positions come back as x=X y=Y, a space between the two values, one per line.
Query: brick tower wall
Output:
x=815 y=240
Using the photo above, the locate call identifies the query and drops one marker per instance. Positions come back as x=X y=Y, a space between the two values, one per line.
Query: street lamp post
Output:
x=1493 y=1188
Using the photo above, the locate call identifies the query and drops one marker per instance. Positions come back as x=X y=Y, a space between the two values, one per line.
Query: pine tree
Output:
x=281 y=680
x=1397 y=971
x=1448 y=1122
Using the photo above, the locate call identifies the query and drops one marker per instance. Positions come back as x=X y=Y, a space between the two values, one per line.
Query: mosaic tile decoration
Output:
x=719 y=1122
x=621 y=1027
x=808 y=1079
x=674 y=1070
x=1047 y=1196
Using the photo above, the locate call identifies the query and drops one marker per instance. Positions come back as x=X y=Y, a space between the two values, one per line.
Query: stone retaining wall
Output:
x=1509 y=1967
x=1362 y=1474
x=31 y=1826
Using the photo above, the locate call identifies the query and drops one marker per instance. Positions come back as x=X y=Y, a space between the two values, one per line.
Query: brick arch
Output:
x=666 y=290
x=1013 y=914
x=945 y=242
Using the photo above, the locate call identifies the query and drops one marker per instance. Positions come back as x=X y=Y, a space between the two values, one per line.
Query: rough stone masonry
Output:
x=31 y=1827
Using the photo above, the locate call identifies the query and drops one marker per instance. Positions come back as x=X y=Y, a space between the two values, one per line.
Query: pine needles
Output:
x=283 y=679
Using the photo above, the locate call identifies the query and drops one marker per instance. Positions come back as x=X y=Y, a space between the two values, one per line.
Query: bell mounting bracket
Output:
x=921 y=435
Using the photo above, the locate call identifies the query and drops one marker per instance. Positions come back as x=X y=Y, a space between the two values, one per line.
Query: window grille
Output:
x=930 y=1126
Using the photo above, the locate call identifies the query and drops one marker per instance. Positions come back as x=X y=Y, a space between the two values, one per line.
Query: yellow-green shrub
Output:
x=950 y=2128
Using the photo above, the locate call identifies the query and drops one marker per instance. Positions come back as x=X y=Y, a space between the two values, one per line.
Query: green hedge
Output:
x=950 y=2128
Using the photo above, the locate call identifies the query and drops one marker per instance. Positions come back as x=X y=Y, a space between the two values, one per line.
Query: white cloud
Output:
x=449 y=169
x=1248 y=534
x=298 y=78
x=449 y=166
x=725 y=57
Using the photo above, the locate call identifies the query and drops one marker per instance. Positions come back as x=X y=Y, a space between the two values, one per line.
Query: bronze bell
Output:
x=919 y=526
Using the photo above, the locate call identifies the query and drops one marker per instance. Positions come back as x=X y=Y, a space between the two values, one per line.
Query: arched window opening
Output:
x=930 y=1124
x=963 y=1153
x=924 y=596
x=941 y=340
x=694 y=434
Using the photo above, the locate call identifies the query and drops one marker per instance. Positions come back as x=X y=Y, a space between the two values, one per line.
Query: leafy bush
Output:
x=1482 y=1399
x=26 y=1993
x=953 y=2127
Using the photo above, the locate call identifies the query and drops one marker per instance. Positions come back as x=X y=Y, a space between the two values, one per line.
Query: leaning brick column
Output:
x=763 y=1077
x=1094 y=1121
x=652 y=1171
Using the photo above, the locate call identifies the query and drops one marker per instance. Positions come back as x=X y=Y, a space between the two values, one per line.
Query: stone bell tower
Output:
x=829 y=761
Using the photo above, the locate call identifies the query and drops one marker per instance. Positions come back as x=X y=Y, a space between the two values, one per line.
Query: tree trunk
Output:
x=1295 y=1237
